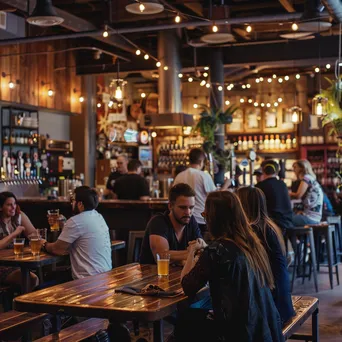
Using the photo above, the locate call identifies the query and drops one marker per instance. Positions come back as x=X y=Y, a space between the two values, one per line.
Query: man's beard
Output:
x=76 y=211
x=179 y=220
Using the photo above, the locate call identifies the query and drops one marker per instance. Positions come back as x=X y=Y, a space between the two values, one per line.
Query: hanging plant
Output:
x=210 y=119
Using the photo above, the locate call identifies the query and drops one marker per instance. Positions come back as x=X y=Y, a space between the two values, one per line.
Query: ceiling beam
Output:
x=75 y=24
x=287 y=4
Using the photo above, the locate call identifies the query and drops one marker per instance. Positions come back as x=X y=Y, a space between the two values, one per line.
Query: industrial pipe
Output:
x=334 y=7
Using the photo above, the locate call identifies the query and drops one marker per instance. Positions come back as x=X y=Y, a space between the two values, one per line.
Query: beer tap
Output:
x=251 y=156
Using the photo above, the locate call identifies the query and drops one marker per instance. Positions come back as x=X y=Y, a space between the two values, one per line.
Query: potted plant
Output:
x=210 y=119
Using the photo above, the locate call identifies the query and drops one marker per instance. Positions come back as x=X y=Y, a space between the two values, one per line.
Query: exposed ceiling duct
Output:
x=334 y=7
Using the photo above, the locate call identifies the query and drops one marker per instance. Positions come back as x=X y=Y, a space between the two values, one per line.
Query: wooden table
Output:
x=27 y=262
x=95 y=297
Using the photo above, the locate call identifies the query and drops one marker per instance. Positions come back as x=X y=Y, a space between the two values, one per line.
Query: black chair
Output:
x=135 y=239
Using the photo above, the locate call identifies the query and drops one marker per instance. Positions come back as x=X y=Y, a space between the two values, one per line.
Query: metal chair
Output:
x=135 y=238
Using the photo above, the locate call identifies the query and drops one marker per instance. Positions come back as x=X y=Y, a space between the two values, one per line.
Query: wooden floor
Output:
x=330 y=306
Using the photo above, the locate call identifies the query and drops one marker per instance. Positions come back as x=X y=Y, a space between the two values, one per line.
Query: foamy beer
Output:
x=53 y=216
x=163 y=261
x=18 y=246
x=35 y=243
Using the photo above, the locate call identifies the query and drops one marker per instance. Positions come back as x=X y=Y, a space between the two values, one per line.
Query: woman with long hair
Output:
x=13 y=223
x=240 y=277
x=254 y=204
x=310 y=192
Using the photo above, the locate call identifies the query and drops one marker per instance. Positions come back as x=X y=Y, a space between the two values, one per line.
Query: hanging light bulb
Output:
x=205 y=74
x=243 y=86
x=208 y=85
x=195 y=105
x=242 y=100
x=227 y=102
x=280 y=99
x=215 y=28
x=296 y=114
x=248 y=85
x=166 y=67
x=286 y=78
x=261 y=79
x=319 y=106
x=280 y=80
x=143 y=95
x=11 y=85
x=294 y=27
x=180 y=75
x=328 y=66
x=138 y=52
x=105 y=33
x=141 y=8
x=257 y=80
x=190 y=79
x=177 y=19
x=110 y=104
x=50 y=92
x=81 y=99
x=269 y=80
x=153 y=134
x=249 y=28
x=275 y=104
x=99 y=105
x=297 y=76
x=262 y=104
x=118 y=93
x=206 y=68
x=158 y=64
x=250 y=100
x=256 y=104
x=203 y=82
x=274 y=76
x=219 y=88
x=231 y=85
x=146 y=56
x=268 y=105
x=317 y=69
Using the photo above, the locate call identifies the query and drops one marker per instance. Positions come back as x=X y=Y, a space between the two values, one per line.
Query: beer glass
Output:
x=53 y=216
x=163 y=261
x=18 y=246
x=35 y=243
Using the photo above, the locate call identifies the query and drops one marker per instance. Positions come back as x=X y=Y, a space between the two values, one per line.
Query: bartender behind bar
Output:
x=121 y=170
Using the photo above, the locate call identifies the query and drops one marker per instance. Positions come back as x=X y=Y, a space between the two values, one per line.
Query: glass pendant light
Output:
x=319 y=106
x=296 y=115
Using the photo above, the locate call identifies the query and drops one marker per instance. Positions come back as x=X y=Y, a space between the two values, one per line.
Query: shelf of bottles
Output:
x=265 y=143
x=18 y=139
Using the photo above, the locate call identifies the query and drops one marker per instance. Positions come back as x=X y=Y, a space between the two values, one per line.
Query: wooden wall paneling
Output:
x=43 y=77
x=13 y=70
x=25 y=88
x=60 y=75
x=5 y=67
x=50 y=76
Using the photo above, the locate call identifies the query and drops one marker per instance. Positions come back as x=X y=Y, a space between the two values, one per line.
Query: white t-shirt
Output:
x=90 y=251
x=202 y=184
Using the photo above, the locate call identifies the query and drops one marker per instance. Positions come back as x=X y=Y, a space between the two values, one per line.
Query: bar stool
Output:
x=336 y=221
x=328 y=232
x=304 y=235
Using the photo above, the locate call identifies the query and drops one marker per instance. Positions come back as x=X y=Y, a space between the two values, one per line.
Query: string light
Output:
x=243 y=86
x=166 y=67
x=274 y=76
x=317 y=69
x=231 y=85
x=276 y=104
x=229 y=88
x=219 y=88
x=203 y=83
x=257 y=80
x=256 y=104
x=177 y=19
x=248 y=85
x=286 y=78
x=142 y=8
x=153 y=134
x=249 y=28
x=280 y=99
x=138 y=52
x=227 y=102
x=269 y=80
x=50 y=92
x=11 y=85
x=180 y=75
x=262 y=104
x=105 y=33
x=215 y=28
x=190 y=79
x=328 y=66
x=98 y=105
x=297 y=76
x=110 y=104
x=143 y=95
x=208 y=85
x=195 y=105
x=268 y=105
x=280 y=80
x=250 y=100
x=206 y=68
x=146 y=56
x=242 y=100
x=294 y=27
x=158 y=64
x=261 y=79
x=81 y=99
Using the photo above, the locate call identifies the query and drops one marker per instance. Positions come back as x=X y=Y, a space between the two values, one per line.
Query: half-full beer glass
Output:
x=18 y=246
x=163 y=261
x=35 y=243
x=54 y=216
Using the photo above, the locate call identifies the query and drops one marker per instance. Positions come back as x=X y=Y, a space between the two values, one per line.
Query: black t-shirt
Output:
x=112 y=178
x=131 y=187
x=278 y=201
x=161 y=225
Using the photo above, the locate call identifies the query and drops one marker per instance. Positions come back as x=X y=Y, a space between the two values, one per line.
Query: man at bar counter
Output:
x=121 y=162
x=173 y=230
x=132 y=186
x=85 y=237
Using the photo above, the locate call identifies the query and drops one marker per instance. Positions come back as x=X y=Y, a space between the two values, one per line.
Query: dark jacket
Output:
x=243 y=311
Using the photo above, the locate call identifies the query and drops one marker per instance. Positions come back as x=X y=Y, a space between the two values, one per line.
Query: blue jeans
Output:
x=299 y=220
x=204 y=303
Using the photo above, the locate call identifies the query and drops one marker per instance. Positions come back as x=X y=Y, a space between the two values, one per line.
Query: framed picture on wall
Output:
x=253 y=119
x=271 y=119
x=237 y=124
x=286 y=123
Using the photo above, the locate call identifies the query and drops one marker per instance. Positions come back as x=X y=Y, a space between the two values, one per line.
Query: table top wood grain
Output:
x=95 y=296
x=7 y=258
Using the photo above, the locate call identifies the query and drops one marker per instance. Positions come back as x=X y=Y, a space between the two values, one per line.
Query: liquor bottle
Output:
x=250 y=142
x=22 y=140
x=17 y=138
x=272 y=144
x=6 y=137
x=277 y=142
x=266 y=143
x=256 y=143
x=261 y=143
x=288 y=142
x=282 y=143
x=244 y=144
x=239 y=144
x=12 y=138
x=294 y=142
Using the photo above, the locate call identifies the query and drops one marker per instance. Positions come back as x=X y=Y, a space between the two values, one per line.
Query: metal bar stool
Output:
x=304 y=235
x=328 y=232
x=336 y=221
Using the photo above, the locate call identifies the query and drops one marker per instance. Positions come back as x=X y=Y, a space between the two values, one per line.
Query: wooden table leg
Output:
x=25 y=280
x=158 y=331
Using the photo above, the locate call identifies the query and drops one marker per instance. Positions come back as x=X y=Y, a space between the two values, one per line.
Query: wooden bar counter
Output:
x=120 y=215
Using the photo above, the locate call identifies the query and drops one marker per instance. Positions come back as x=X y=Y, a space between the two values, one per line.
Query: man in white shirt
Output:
x=85 y=237
x=200 y=181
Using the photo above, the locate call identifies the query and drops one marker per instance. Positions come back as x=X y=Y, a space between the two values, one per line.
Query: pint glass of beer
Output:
x=53 y=219
x=163 y=261
x=35 y=243
x=18 y=244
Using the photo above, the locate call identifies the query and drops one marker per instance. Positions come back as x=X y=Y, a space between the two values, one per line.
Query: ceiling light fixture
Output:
x=178 y=19
x=249 y=28
x=319 y=106
x=243 y=86
x=144 y=7
x=280 y=99
x=81 y=99
x=276 y=104
x=256 y=104
x=261 y=79
x=242 y=100
x=44 y=14
x=138 y=52
x=105 y=33
x=248 y=85
x=269 y=80
x=250 y=100
x=262 y=104
x=257 y=80
x=215 y=28
x=294 y=27
x=274 y=76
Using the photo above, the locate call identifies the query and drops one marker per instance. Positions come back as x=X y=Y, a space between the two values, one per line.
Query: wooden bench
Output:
x=18 y=323
x=304 y=307
x=77 y=332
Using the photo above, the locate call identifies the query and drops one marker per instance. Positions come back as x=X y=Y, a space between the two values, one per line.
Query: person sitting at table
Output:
x=240 y=278
x=277 y=198
x=13 y=223
x=172 y=230
x=132 y=186
x=311 y=194
x=121 y=170
x=254 y=204
x=85 y=237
